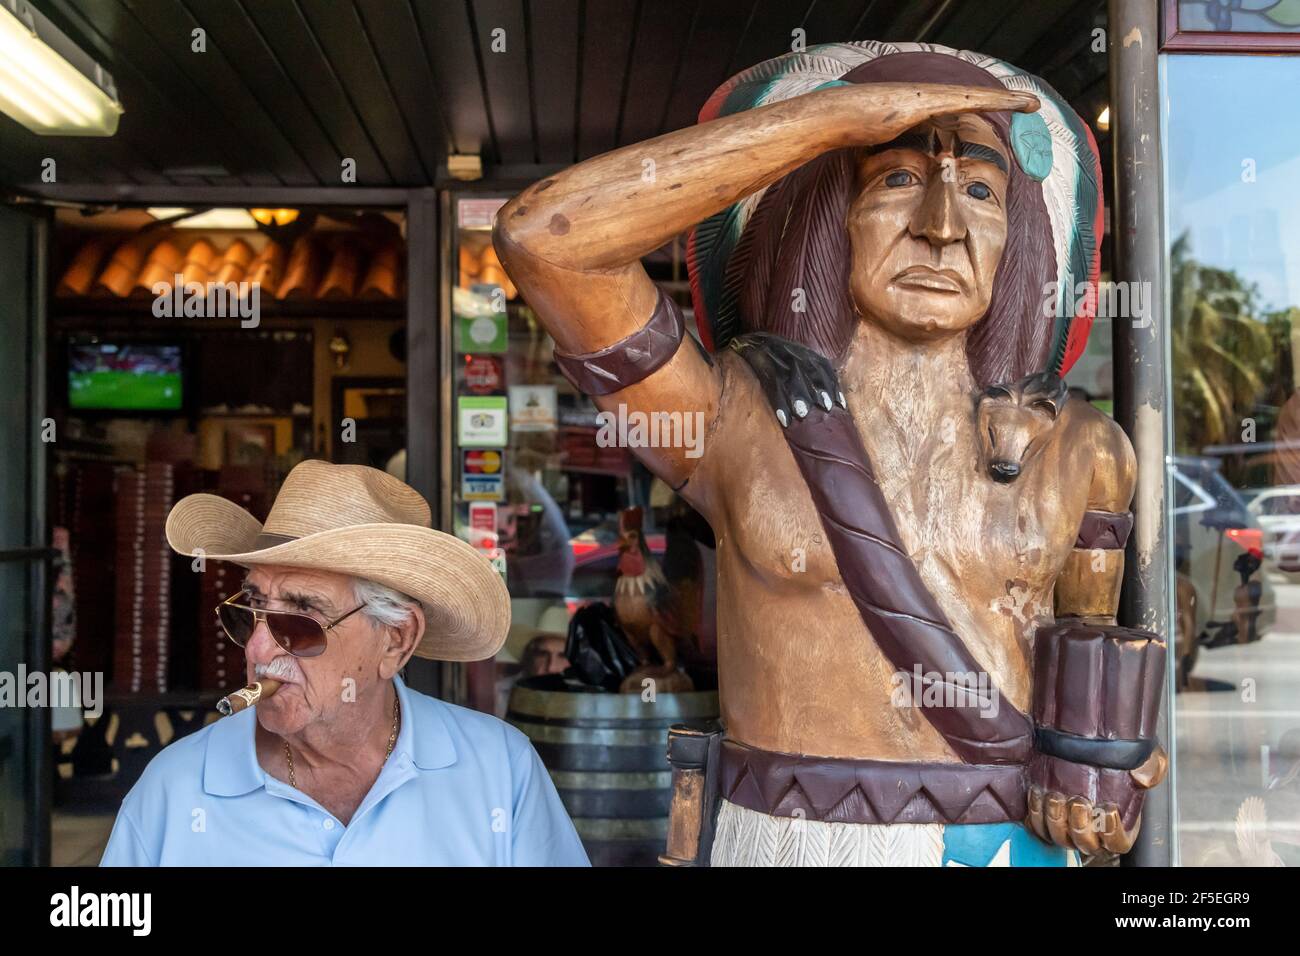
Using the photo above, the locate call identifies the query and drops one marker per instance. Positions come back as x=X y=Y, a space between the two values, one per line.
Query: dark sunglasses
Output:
x=299 y=634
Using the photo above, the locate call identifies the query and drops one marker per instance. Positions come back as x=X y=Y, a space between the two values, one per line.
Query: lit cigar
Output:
x=248 y=696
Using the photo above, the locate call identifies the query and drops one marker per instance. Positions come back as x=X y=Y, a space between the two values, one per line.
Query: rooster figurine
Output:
x=647 y=612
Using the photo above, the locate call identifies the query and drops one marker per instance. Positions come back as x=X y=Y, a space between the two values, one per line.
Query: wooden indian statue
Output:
x=920 y=533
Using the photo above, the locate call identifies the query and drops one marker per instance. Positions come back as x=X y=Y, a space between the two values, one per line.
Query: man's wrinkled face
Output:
x=928 y=227
x=313 y=689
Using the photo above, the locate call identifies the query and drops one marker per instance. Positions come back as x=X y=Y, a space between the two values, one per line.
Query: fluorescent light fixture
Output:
x=212 y=219
x=1103 y=119
x=47 y=83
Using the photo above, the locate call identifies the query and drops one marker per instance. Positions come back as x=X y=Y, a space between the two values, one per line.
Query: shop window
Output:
x=572 y=520
x=1233 y=274
x=535 y=486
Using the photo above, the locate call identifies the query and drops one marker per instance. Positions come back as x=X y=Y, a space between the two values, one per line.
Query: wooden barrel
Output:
x=607 y=754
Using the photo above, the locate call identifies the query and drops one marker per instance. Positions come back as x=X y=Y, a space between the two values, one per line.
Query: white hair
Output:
x=384 y=605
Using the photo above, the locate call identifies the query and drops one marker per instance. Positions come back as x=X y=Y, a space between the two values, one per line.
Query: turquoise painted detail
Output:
x=976 y=844
x=1032 y=142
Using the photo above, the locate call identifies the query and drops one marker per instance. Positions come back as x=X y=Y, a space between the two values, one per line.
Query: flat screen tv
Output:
x=121 y=376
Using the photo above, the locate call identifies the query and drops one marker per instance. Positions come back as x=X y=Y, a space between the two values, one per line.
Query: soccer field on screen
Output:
x=124 y=390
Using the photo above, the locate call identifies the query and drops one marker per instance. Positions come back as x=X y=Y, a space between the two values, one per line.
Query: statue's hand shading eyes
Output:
x=794 y=377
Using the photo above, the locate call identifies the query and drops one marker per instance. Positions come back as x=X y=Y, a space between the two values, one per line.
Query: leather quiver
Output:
x=1099 y=684
x=1097 y=692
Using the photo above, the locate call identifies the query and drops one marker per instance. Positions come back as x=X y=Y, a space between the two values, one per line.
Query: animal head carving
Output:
x=1015 y=419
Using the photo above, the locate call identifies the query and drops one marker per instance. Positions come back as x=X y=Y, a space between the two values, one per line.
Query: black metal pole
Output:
x=1142 y=403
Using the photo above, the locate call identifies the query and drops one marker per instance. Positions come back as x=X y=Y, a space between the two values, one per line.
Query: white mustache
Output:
x=280 y=668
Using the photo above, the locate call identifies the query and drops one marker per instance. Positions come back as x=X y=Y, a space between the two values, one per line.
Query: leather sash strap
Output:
x=894 y=602
x=837 y=790
x=631 y=359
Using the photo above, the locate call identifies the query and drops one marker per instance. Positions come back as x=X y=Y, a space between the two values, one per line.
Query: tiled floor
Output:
x=79 y=839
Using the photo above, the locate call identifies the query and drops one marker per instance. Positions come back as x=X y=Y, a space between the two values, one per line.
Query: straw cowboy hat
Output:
x=363 y=522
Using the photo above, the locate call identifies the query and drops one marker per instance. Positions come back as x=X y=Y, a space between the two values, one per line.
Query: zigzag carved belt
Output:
x=836 y=790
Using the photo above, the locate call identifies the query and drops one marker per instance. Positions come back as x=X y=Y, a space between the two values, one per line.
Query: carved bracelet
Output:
x=631 y=359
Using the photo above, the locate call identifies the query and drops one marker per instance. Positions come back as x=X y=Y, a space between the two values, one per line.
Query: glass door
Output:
x=530 y=486
x=1233 y=233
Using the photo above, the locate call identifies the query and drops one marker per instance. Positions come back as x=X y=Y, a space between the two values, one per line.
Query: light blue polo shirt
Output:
x=461 y=788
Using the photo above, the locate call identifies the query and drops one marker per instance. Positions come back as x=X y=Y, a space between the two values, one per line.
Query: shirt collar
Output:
x=426 y=729
x=230 y=766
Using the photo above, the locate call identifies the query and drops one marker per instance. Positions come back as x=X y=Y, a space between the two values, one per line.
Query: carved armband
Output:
x=631 y=359
x=1089 y=583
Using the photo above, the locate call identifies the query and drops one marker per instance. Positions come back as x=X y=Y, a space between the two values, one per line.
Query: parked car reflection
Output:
x=1223 y=596
x=1278 y=512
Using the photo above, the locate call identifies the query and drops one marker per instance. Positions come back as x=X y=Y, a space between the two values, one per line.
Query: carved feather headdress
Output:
x=1053 y=147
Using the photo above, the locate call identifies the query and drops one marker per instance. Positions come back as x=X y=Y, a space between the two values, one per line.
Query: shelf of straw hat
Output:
x=98 y=314
x=334 y=274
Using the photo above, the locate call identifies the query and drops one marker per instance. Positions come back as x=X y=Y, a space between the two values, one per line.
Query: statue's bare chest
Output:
x=967 y=534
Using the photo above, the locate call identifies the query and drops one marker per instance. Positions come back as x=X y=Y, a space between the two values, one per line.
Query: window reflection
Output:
x=611 y=573
x=1233 y=222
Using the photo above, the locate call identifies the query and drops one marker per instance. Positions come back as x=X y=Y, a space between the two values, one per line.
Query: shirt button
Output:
x=328 y=824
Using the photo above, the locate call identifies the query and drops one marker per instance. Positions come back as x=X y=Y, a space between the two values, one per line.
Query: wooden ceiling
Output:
x=287 y=88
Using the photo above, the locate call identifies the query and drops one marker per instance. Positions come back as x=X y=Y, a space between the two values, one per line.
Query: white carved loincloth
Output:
x=744 y=837
x=748 y=838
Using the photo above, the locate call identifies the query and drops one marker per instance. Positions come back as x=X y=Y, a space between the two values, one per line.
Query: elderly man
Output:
x=344 y=764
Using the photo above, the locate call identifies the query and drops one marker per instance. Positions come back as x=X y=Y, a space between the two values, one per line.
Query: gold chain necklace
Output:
x=392 y=742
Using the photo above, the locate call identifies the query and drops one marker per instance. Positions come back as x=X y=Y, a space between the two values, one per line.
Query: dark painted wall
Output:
x=24 y=764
